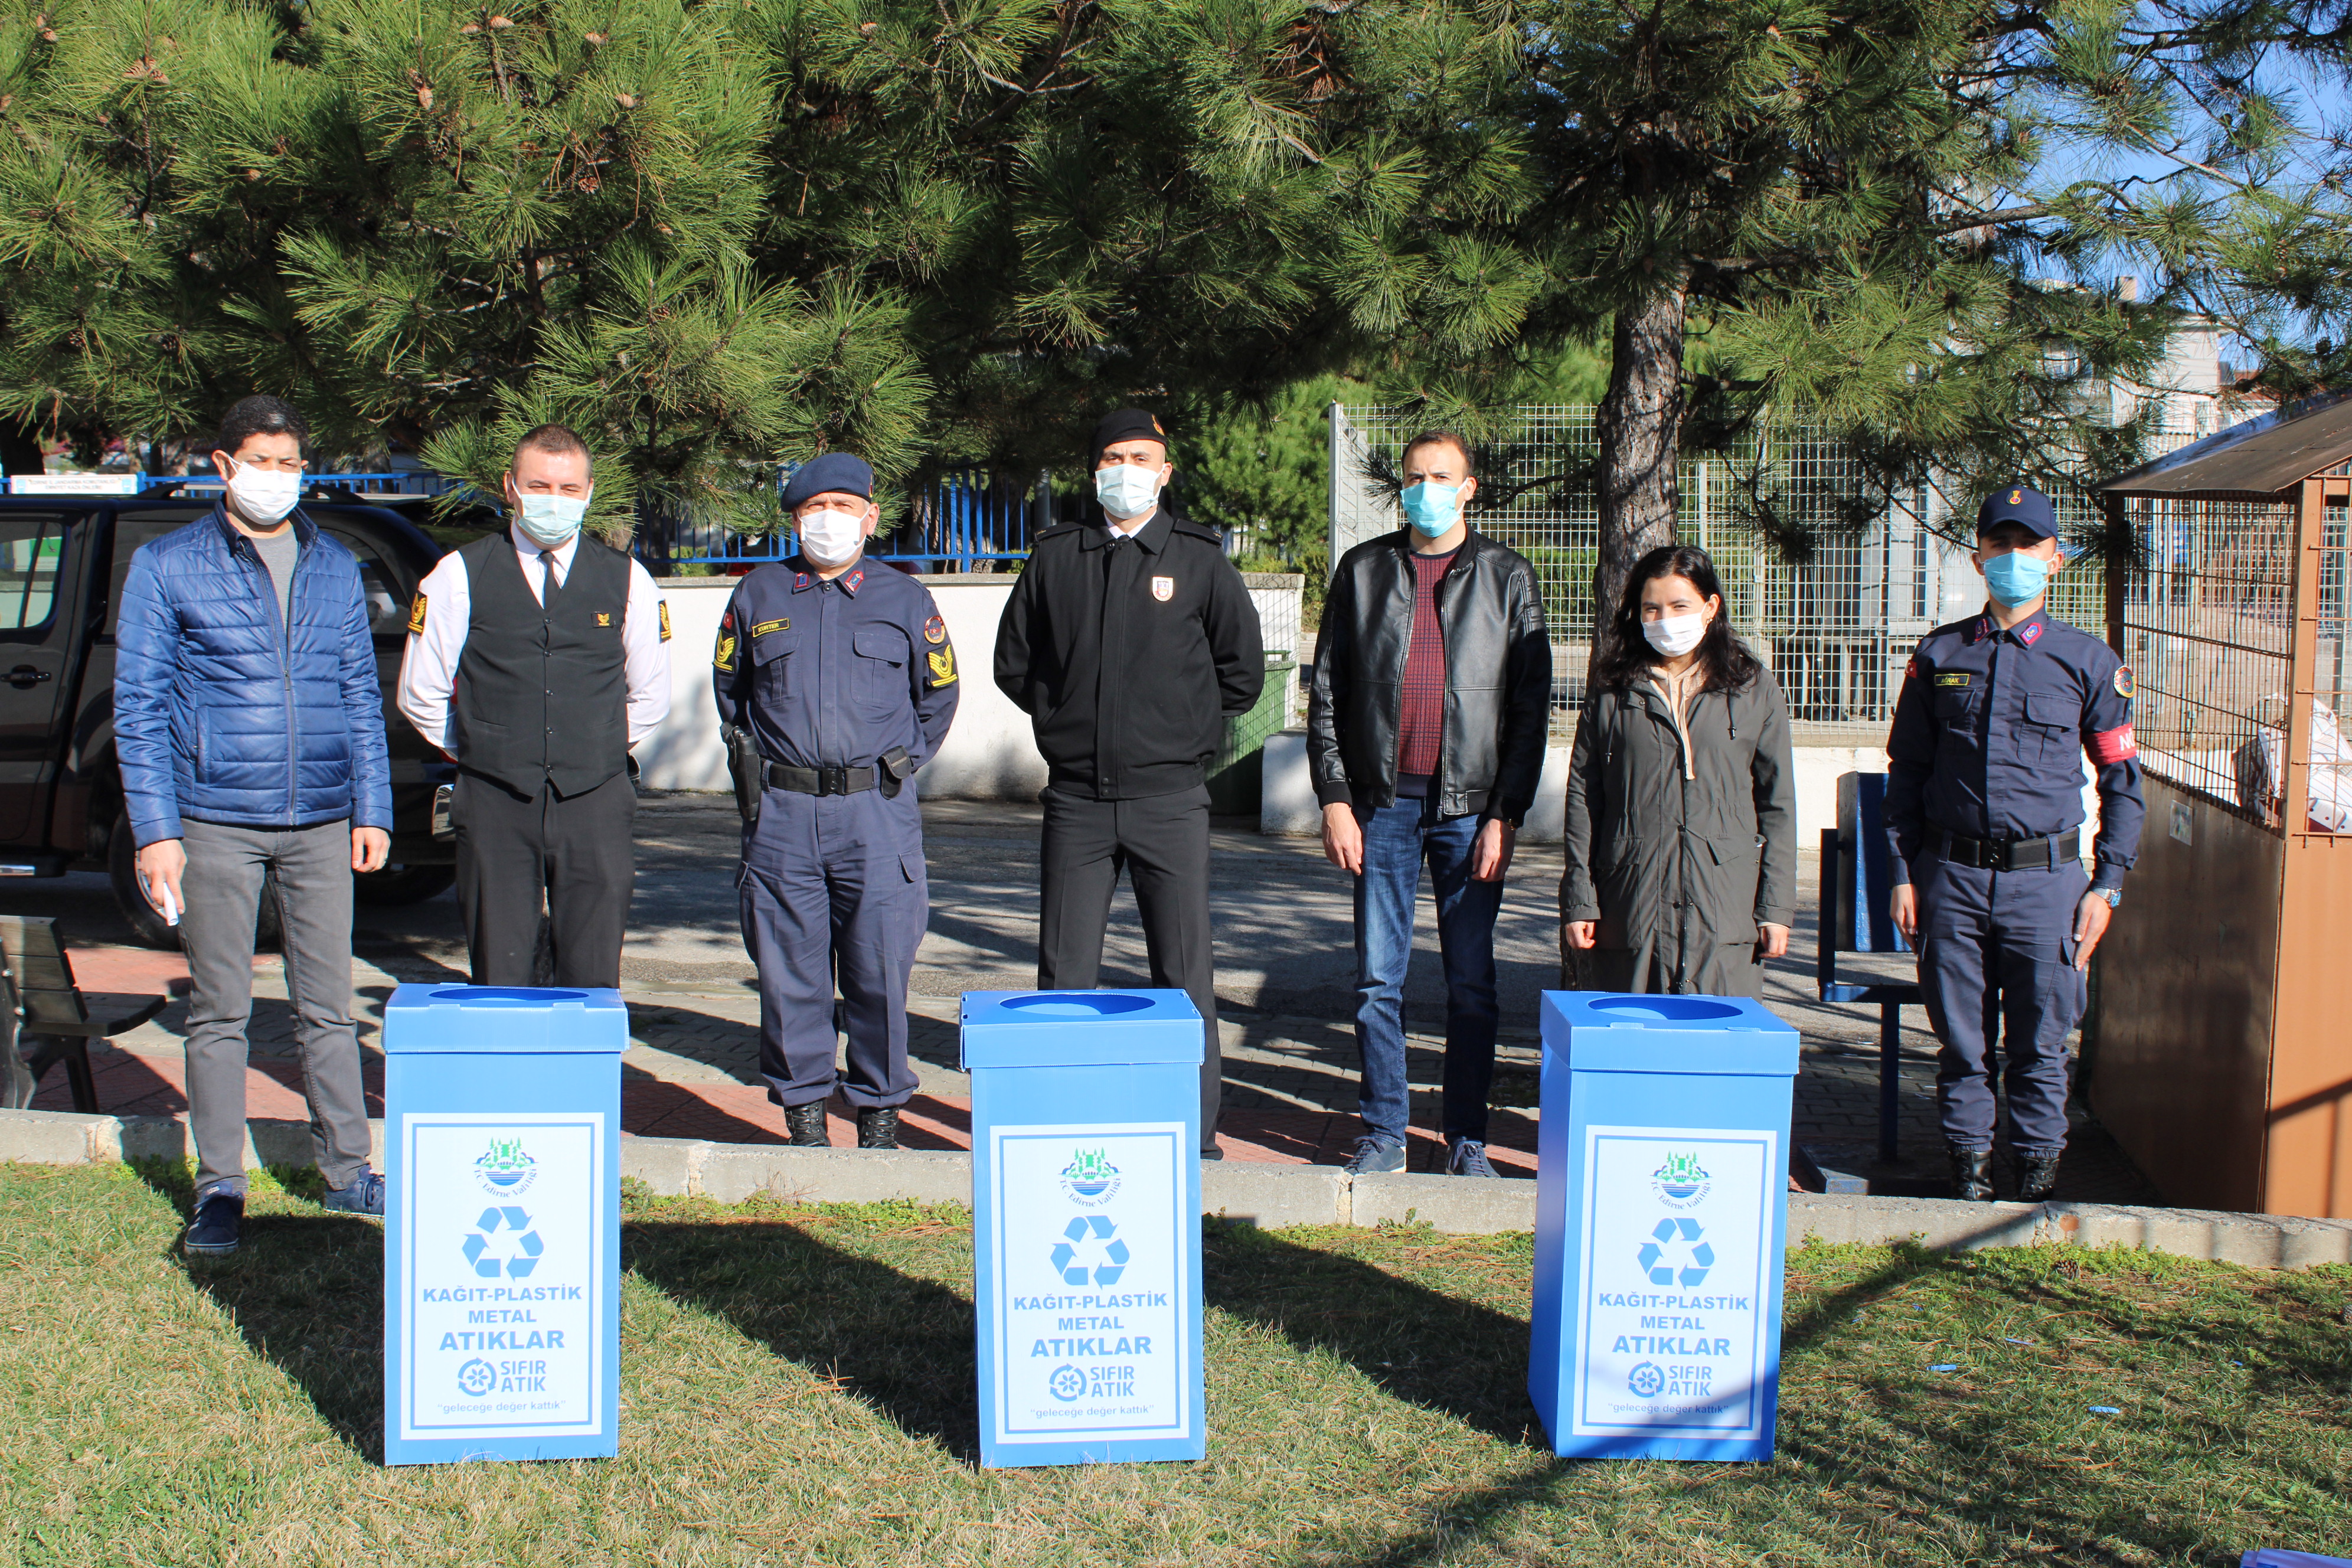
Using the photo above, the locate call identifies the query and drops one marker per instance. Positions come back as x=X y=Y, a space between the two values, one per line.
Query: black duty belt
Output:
x=822 y=781
x=2013 y=854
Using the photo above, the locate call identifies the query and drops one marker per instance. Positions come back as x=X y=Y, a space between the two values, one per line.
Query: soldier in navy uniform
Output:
x=1984 y=813
x=836 y=681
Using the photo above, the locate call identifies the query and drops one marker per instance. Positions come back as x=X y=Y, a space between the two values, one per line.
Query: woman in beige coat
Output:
x=1681 y=811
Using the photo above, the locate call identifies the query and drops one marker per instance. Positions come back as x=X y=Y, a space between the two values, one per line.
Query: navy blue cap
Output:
x=2020 y=504
x=833 y=471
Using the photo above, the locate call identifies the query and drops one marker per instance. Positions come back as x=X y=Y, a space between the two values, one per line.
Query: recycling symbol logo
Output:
x=1090 y=1250
x=502 y=1243
x=1675 y=1254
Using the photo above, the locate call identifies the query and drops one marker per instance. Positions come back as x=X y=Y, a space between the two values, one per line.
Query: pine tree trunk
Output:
x=1640 y=430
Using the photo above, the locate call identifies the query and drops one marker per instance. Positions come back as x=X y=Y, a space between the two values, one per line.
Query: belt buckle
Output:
x=833 y=781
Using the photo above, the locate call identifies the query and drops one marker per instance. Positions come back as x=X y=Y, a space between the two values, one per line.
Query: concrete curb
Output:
x=1271 y=1196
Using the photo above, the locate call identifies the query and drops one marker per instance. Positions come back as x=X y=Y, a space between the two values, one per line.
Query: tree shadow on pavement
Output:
x=901 y=1343
x=305 y=1292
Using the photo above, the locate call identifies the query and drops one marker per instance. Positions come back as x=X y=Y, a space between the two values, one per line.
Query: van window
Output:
x=32 y=545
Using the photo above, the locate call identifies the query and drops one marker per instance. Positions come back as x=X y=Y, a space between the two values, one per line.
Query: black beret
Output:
x=1127 y=424
x=833 y=471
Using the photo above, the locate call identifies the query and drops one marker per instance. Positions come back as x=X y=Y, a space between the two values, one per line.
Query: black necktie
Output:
x=546 y=577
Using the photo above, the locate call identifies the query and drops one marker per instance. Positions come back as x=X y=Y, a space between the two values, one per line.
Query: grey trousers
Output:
x=222 y=883
x=1163 y=844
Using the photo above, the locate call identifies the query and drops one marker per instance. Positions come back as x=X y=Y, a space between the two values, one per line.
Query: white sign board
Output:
x=74 y=484
x=1671 y=1339
x=504 y=1229
x=1093 y=1282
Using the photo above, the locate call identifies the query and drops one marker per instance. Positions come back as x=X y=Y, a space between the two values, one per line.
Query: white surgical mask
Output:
x=1126 y=489
x=831 y=537
x=1675 y=636
x=262 y=496
x=551 y=521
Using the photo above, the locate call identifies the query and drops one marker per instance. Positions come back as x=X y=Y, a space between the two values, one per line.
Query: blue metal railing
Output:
x=408 y=482
x=960 y=519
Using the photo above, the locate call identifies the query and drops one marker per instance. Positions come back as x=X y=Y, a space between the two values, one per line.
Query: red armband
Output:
x=2111 y=746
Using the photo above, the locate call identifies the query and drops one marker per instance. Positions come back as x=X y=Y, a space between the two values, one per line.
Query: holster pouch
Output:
x=897 y=767
x=748 y=768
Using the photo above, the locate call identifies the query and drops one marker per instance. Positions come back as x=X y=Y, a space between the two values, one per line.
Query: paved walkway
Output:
x=1284 y=986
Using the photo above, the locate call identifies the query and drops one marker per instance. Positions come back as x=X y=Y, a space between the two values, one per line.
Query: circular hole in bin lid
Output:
x=497 y=994
x=1077 y=1004
x=1666 y=1009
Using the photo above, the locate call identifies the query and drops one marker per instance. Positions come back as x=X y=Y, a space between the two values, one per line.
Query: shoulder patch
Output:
x=764 y=627
x=935 y=630
x=1911 y=669
x=662 y=606
x=942 y=668
x=417 y=613
x=2125 y=684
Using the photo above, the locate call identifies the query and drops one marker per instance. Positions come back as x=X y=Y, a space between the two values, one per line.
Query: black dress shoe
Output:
x=878 y=1127
x=1971 y=1173
x=2037 y=1177
x=807 y=1124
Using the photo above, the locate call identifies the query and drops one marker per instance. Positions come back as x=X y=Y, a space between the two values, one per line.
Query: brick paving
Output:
x=1285 y=988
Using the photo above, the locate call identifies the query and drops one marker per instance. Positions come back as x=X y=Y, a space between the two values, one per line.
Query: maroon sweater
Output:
x=1421 y=716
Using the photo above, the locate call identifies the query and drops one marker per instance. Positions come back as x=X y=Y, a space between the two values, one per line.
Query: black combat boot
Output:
x=2037 y=1175
x=878 y=1127
x=807 y=1124
x=1971 y=1173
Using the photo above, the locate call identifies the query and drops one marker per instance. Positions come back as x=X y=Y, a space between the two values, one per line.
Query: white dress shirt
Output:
x=428 y=669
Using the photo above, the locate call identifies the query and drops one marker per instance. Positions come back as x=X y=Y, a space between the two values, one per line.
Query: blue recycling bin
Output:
x=1085 y=1198
x=1662 y=1210
x=502 y=1223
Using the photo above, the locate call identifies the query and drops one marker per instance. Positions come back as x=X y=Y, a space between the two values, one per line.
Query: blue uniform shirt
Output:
x=834 y=673
x=1989 y=734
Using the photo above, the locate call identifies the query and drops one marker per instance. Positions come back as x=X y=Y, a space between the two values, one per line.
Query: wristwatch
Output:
x=2114 y=896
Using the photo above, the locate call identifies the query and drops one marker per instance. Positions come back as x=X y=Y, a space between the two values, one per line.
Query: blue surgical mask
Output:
x=551 y=521
x=1126 y=489
x=1433 y=509
x=2017 y=578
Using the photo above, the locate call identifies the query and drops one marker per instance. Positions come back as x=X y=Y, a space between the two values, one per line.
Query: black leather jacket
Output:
x=1498 y=679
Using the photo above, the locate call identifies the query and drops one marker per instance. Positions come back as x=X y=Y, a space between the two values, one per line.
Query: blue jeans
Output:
x=1396 y=839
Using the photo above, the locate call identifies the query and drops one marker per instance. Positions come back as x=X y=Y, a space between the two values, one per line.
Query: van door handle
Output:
x=25 y=675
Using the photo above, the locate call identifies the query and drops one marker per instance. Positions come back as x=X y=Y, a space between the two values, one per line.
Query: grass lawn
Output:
x=797 y=1387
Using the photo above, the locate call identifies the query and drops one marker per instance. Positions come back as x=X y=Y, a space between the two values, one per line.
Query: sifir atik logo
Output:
x=505 y=1170
x=1090 y=1180
x=1681 y=1183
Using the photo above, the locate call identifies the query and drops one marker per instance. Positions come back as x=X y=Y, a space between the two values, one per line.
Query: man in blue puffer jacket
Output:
x=250 y=728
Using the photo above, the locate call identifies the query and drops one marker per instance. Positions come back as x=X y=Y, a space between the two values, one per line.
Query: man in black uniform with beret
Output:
x=1984 y=814
x=1128 y=642
x=836 y=681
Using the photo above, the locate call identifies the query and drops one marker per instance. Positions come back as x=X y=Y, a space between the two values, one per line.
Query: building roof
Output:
x=2259 y=458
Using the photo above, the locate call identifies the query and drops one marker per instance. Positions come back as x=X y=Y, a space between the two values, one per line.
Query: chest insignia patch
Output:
x=662 y=605
x=1163 y=588
x=416 y=614
x=2125 y=685
x=604 y=617
x=935 y=630
x=764 y=627
x=1959 y=680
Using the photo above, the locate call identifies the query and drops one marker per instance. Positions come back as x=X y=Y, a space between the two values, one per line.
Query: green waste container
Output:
x=1237 y=777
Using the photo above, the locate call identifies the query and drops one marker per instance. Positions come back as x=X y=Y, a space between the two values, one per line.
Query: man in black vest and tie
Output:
x=535 y=658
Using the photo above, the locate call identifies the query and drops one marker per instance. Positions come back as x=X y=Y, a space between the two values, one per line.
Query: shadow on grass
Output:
x=1460 y=1358
x=305 y=1292
x=902 y=1345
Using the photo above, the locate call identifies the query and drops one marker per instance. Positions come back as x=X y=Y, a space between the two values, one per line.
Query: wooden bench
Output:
x=47 y=1020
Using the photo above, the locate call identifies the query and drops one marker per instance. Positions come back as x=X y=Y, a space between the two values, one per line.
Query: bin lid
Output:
x=505 y=1020
x=1080 y=1028
x=1609 y=1031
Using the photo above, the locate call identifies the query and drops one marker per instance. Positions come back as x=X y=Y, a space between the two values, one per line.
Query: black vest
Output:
x=542 y=695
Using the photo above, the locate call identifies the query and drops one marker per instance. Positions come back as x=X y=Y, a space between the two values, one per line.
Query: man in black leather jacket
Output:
x=1426 y=733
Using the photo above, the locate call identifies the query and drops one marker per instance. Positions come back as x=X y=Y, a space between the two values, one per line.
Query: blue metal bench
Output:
x=1856 y=884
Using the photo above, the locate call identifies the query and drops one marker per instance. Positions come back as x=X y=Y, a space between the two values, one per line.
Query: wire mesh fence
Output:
x=2329 y=809
x=1835 y=624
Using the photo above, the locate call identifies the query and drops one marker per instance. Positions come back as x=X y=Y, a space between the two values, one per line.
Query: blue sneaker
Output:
x=1466 y=1157
x=363 y=1196
x=218 y=1227
x=1375 y=1156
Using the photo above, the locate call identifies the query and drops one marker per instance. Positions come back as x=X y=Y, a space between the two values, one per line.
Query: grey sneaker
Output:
x=1375 y=1156
x=1466 y=1157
